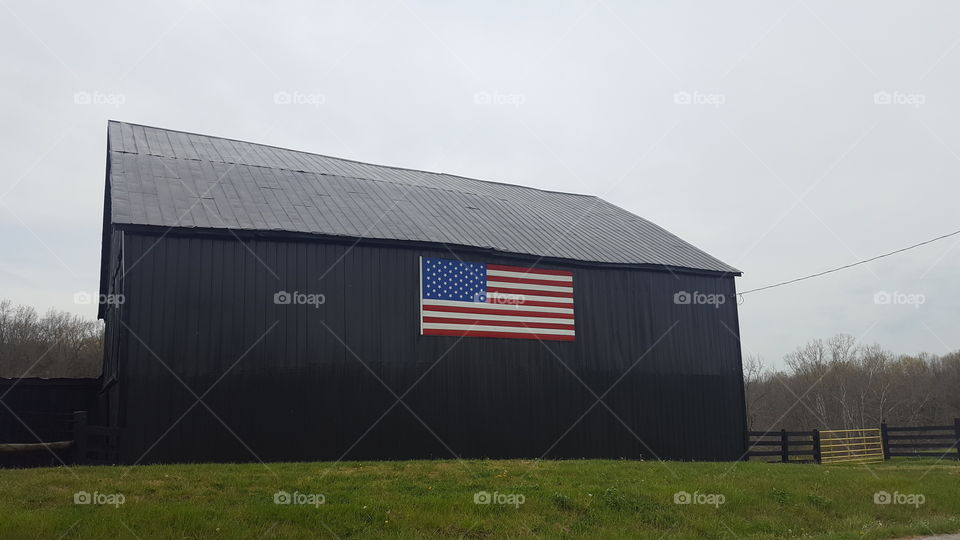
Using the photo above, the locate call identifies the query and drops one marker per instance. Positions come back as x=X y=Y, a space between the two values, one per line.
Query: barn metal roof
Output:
x=156 y=176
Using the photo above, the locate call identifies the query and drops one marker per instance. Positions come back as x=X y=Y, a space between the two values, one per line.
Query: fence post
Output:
x=80 y=436
x=816 y=445
x=885 y=440
x=784 y=446
x=956 y=432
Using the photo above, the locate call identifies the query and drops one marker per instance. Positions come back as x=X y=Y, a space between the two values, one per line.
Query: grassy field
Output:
x=588 y=499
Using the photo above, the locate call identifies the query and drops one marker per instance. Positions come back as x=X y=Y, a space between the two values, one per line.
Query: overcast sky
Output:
x=784 y=138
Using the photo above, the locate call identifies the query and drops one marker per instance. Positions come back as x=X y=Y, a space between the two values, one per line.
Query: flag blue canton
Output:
x=445 y=279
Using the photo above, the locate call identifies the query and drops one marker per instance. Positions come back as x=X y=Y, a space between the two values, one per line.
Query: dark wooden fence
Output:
x=35 y=411
x=784 y=446
x=62 y=440
x=30 y=407
x=93 y=445
x=900 y=441
x=39 y=439
x=921 y=441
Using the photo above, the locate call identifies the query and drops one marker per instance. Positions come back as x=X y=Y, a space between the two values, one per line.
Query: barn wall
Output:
x=285 y=382
x=107 y=408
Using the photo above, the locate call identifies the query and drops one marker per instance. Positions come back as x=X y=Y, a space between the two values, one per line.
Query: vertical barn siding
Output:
x=105 y=408
x=311 y=387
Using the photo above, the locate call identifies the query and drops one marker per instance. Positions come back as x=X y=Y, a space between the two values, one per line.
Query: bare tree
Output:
x=839 y=383
x=57 y=344
x=754 y=375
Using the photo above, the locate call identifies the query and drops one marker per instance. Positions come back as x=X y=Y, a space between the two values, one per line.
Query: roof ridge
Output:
x=347 y=160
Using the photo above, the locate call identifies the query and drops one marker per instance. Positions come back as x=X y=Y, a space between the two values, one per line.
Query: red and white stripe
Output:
x=524 y=303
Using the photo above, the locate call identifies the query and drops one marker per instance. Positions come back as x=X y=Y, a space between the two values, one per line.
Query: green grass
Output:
x=587 y=499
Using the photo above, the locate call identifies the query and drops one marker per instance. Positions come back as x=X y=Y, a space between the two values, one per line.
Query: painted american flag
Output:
x=490 y=300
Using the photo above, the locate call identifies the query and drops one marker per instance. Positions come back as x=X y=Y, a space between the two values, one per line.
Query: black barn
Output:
x=201 y=235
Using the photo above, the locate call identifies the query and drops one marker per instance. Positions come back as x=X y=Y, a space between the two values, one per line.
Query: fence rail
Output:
x=33 y=438
x=861 y=445
x=795 y=446
x=58 y=438
x=921 y=441
x=851 y=445
x=93 y=445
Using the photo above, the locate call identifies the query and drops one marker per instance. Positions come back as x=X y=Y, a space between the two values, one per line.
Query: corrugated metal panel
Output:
x=198 y=302
x=308 y=193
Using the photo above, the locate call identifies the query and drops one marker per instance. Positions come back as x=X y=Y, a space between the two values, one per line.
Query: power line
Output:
x=832 y=270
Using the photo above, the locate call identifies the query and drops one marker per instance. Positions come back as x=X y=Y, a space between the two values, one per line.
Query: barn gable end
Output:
x=201 y=233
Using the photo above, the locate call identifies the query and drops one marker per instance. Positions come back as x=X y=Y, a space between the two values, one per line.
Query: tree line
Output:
x=840 y=384
x=55 y=344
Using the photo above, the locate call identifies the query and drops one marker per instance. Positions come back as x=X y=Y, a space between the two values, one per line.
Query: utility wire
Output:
x=832 y=270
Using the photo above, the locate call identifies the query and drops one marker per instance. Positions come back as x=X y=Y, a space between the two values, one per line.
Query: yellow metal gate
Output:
x=851 y=446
